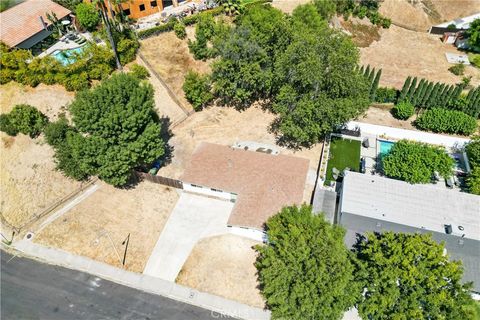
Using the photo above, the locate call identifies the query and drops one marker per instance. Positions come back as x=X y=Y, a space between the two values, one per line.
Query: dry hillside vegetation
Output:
x=29 y=182
x=224 y=266
x=362 y=31
x=402 y=53
x=171 y=59
x=97 y=226
x=287 y=6
x=422 y=14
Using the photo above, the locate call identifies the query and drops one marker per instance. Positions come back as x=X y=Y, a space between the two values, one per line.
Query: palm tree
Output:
x=103 y=12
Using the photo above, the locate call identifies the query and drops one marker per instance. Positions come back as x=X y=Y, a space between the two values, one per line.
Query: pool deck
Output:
x=65 y=44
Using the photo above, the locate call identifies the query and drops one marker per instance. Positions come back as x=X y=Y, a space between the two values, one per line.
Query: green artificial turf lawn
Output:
x=343 y=153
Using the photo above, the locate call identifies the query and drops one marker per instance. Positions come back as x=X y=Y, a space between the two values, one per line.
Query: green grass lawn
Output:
x=343 y=153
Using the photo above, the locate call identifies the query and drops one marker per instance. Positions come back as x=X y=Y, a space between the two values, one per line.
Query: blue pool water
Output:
x=67 y=57
x=385 y=147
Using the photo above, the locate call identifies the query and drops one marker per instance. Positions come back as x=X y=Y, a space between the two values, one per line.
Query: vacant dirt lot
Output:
x=96 y=227
x=171 y=59
x=226 y=126
x=28 y=180
x=224 y=266
x=422 y=14
x=402 y=53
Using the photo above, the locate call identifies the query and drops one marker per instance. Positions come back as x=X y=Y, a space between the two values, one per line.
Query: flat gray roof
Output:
x=423 y=206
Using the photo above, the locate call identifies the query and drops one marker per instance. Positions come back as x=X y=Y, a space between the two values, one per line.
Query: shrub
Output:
x=99 y=71
x=6 y=75
x=416 y=162
x=403 y=110
x=127 y=49
x=457 y=69
x=386 y=95
x=7 y=126
x=139 y=72
x=56 y=132
x=473 y=151
x=24 y=119
x=87 y=15
x=197 y=90
x=180 y=30
x=473 y=181
x=446 y=121
x=76 y=82
x=474 y=59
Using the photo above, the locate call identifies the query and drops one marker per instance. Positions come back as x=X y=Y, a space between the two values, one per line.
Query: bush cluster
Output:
x=139 y=72
x=403 y=110
x=23 y=119
x=416 y=162
x=180 y=30
x=204 y=31
x=170 y=25
x=447 y=121
x=473 y=153
x=386 y=95
x=197 y=90
x=457 y=69
x=94 y=63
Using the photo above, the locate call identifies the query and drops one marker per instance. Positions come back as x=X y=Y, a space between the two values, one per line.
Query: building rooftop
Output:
x=423 y=206
x=264 y=183
x=461 y=23
x=22 y=21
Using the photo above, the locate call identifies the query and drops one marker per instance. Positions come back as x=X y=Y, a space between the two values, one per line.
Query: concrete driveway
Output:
x=193 y=218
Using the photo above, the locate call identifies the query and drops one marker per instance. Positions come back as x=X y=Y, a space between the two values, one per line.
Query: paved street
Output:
x=33 y=290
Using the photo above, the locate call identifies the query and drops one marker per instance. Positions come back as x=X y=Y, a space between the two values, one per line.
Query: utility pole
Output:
x=125 y=242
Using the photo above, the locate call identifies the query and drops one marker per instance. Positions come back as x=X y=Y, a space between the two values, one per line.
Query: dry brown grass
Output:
x=402 y=53
x=382 y=116
x=224 y=266
x=100 y=223
x=29 y=182
x=422 y=14
x=171 y=59
x=288 y=6
x=363 y=34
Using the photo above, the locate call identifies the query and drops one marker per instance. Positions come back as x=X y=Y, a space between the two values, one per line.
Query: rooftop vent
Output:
x=448 y=229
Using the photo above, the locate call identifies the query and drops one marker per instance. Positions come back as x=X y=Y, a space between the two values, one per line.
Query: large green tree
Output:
x=87 y=15
x=320 y=87
x=304 y=270
x=244 y=72
x=416 y=162
x=408 y=276
x=118 y=130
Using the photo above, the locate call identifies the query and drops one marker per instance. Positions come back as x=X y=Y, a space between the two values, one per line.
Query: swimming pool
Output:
x=385 y=147
x=67 y=57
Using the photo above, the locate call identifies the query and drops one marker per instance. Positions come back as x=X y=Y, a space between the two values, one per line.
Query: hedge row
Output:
x=192 y=19
x=447 y=121
x=143 y=34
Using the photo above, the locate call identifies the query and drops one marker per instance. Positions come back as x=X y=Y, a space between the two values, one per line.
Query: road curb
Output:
x=220 y=307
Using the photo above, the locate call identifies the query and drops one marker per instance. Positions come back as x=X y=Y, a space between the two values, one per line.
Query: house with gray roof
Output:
x=375 y=203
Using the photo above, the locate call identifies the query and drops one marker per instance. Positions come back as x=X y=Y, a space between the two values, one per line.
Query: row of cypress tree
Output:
x=426 y=94
x=373 y=77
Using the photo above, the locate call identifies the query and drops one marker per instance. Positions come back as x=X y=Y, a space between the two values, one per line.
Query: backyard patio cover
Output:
x=22 y=21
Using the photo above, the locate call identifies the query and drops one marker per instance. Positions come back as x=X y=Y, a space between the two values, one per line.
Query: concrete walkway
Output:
x=146 y=283
x=193 y=218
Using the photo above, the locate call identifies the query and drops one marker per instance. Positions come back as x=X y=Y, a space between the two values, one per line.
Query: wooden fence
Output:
x=160 y=180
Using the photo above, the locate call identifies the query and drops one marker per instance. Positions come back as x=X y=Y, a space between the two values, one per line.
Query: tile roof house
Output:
x=260 y=184
x=26 y=24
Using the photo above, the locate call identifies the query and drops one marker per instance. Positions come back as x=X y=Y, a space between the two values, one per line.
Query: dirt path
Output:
x=165 y=105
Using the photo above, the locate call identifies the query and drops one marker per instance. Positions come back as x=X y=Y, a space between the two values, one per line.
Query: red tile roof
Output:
x=264 y=183
x=22 y=21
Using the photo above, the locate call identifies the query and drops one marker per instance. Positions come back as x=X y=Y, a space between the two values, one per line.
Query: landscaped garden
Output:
x=344 y=153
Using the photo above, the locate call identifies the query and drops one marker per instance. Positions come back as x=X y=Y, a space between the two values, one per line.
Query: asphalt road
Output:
x=33 y=290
